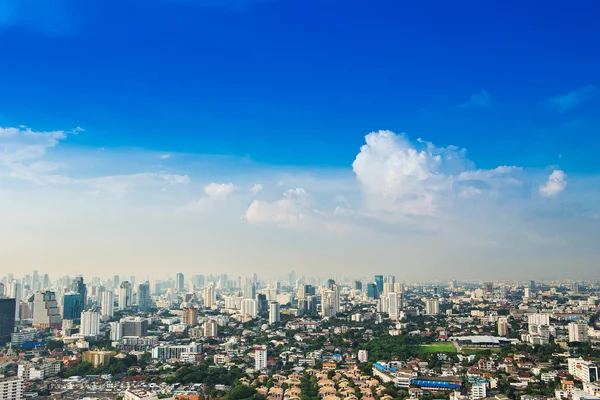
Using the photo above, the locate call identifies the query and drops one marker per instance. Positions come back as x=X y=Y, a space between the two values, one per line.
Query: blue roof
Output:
x=435 y=384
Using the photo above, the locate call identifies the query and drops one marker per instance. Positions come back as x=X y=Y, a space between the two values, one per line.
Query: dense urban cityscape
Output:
x=209 y=337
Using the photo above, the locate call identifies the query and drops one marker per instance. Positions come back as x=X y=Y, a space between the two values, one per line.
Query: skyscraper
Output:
x=189 y=316
x=71 y=306
x=210 y=328
x=432 y=306
x=249 y=291
x=7 y=319
x=578 y=332
x=488 y=289
x=372 y=291
x=379 y=282
x=274 y=313
x=249 y=308
x=125 y=295
x=108 y=305
x=179 y=282
x=78 y=286
x=330 y=304
x=143 y=296
x=502 y=326
x=14 y=292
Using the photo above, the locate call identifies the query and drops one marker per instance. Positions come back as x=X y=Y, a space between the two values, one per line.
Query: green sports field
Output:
x=440 y=347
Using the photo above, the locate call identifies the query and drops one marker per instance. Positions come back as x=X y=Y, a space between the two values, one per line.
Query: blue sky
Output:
x=222 y=90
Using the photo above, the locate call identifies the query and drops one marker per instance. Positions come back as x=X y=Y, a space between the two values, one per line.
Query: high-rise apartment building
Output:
x=189 y=316
x=116 y=331
x=502 y=326
x=125 y=295
x=7 y=319
x=432 y=306
x=90 y=323
x=249 y=308
x=260 y=358
x=210 y=298
x=488 y=289
x=274 y=312
x=330 y=303
x=249 y=291
x=578 y=332
x=210 y=328
x=107 y=305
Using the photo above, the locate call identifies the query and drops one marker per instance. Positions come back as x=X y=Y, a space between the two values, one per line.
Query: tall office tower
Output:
x=399 y=287
x=198 y=281
x=527 y=293
x=35 y=281
x=7 y=319
x=452 y=284
x=108 y=305
x=357 y=285
x=575 y=288
x=71 y=306
x=210 y=328
x=125 y=295
x=292 y=278
x=210 y=298
x=249 y=291
x=46 y=282
x=143 y=296
x=116 y=281
x=78 y=286
x=274 y=312
x=432 y=306
x=531 y=285
x=263 y=303
x=436 y=290
x=372 y=291
x=45 y=310
x=254 y=278
x=135 y=326
x=504 y=292
x=578 y=332
x=14 y=292
x=260 y=358
x=311 y=305
x=90 y=323
x=249 y=308
x=179 y=282
x=25 y=310
x=502 y=326
x=189 y=316
x=116 y=331
x=488 y=290
x=379 y=282
x=330 y=283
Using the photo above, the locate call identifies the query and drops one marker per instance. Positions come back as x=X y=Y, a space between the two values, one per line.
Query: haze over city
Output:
x=155 y=137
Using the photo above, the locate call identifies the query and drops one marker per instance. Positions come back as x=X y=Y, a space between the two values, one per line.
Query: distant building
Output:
x=143 y=296
x=363 y=356
x=210 y=328
x=98 y=357
x=90 y=323
x=372 y=291
x=432 y=306
x=7 y=319
x=125 y=295
x=135 y=327
x=108 y=305
x=274 y=312
x=210 y=298
x=578 y=332
x=502 y=327
x=478 y=391
x=249 y=308
x=116 y=331
x=260 y=358
x=45 y=310
x=179 y=282
x=71 y=306
x=584 y=371
x=379 y=283
x=189 y=316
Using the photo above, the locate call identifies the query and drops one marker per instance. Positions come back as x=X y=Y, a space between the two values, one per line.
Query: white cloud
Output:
x=399 y=177
x=255 y=188
x=295 y=209
x=165 y=156
x=219 y=189
x=556 y=184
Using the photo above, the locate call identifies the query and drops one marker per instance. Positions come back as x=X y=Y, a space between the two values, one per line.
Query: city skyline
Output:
x=415 y=148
